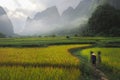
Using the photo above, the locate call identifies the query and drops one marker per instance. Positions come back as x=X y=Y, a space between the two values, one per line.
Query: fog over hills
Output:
x=43 y=22
x=50 y=21
x=6 y=26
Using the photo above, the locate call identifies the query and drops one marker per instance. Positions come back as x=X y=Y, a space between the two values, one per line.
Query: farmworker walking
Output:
x=93 y=58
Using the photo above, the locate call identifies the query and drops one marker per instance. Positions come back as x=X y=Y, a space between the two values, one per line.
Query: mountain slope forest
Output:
x=103 y=22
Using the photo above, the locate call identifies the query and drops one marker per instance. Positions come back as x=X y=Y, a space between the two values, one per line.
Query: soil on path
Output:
x=99 y=74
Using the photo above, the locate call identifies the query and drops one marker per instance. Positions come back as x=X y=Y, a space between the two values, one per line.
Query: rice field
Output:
x=47 y=63
x=46 y=55
x=34 y=59
x=38 y=73
x=110 y=60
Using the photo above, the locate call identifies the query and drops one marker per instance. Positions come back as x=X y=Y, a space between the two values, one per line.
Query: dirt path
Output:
x=98 y=74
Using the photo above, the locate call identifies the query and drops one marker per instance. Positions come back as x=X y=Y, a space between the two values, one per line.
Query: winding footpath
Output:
x=98 y=74
x=101 y=75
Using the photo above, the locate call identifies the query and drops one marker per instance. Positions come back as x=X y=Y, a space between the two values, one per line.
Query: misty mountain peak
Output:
x=84 y=4
x=51 y=12
x=29 y=19
x=2 y=12
x=51 y=19
x=53 y=8
x=68 y=11
x=6 y=26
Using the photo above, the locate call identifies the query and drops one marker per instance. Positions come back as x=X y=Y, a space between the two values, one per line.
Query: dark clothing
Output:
x=93 y=59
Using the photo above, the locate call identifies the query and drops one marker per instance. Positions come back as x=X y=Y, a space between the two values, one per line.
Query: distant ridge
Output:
x=6 y=26
x=50 y=21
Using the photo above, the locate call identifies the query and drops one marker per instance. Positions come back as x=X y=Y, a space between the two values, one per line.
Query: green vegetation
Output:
x=104 y=22
x=110 y=61
x=43 y=41
x=36 y=73
x=52 y=55
x=47 y=63
x=49 y=58
x=2 y=35
x=46 y=41
x=87 y=70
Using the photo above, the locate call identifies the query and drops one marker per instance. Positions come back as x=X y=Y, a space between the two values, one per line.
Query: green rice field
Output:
x=110 y=60
x=51 y=58
x=47 y=63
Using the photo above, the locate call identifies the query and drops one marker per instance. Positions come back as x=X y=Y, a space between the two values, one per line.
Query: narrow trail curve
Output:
x=101 y=75
x=97 y=72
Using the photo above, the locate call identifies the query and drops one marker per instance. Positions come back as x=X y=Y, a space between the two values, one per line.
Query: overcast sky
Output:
x=19 y=10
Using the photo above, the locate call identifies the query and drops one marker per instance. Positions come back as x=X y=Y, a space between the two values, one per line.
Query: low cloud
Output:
x=19 y=10
x=37 y=27
x=18 y=19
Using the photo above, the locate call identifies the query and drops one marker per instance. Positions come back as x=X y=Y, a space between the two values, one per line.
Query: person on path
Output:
x=93 y=58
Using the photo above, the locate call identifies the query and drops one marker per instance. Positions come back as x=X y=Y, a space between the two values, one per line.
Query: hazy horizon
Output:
x=19 y=10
